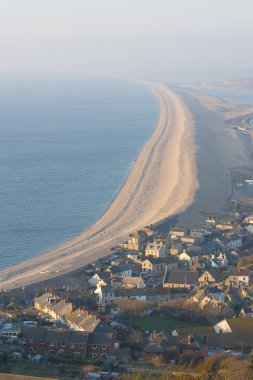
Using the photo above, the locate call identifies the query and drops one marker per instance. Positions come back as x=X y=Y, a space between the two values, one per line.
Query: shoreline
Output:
x=219 y=150
x=162 y=182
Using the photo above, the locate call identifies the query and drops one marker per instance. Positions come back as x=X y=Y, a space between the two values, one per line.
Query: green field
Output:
x=157 y=323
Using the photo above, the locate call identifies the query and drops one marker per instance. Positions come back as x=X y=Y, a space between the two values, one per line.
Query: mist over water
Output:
x=230 y=95
x=66 y=147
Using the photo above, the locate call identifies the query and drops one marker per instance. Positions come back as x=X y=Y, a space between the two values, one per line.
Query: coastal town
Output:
x=169 y=297
x=126 y=190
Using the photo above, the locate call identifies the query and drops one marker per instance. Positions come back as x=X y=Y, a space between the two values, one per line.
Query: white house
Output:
x=184 y=256
x=222 y=327
x=105 y=294
x=101 y=278
x=238 y=278
x=156 y=250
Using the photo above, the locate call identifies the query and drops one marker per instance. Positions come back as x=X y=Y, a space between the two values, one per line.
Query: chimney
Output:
x=190 y=339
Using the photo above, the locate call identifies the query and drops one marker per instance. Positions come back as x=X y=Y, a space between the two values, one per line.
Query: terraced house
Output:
x=74 y=343
x=94 y=338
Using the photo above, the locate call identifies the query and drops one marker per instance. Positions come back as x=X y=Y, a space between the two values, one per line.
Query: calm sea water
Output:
x=230 y=95
x=66 y=147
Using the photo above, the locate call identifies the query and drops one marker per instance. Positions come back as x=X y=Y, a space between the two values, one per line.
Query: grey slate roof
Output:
x=236 y=272
x=181 y=277
x=60 y=307
x=99 y=338
x=154 y=261
x=57 y=336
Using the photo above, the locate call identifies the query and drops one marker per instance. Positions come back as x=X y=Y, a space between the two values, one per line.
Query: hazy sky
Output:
x=136 y=37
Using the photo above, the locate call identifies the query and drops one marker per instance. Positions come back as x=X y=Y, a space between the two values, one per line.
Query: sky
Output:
x=148 y=38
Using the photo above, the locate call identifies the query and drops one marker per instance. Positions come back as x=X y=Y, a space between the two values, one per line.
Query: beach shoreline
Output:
x=162 y=182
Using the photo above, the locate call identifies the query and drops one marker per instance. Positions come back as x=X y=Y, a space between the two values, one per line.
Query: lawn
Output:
x=157 y=323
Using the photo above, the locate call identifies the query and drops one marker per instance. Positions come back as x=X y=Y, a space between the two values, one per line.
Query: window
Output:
x=94 y=346
x=42 y=341
x=51 y=343
x=93 y=355
x=103 y=347
x=81 y=345
x=63 y=344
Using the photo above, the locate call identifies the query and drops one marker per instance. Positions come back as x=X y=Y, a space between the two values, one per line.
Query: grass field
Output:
x=157 y=323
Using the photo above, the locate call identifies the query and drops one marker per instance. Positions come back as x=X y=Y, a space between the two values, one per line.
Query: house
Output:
x=120 y=270
x=132 y=282
x=194 y=237
x=228 y=334
x=157 y=344
x=180 y=279
x=11 y=330
x=222 y=327
x=216 y=293
x=156 y=250
x=105 y=294
x=225 y=224
x=211 y=276
x=204 y=300
x=100 y=344
x=171 y=262
x=60 y=309
x=211 y=220
x=82 y=320
x=75 y=343
x=154 y=295
x=176 y=249
x=238 y=278
x=246 y=312
x=200 y=298
x=211 y=248
x=234 y=242
x=248 y=219
x=221 y=260
x=45 y=301
x=190 y=257
x=132 y=294
x=151 y=280
x=133 y=256
x=52 y=304
x=178 y=232
x=153 y=265
x=192 y=345
x=41 y=339
x=102 y=278
x=184 y=256
x=230 y=241
x=135 y=241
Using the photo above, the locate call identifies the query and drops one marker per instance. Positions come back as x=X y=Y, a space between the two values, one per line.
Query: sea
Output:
x=66 y=148
x=236 y=96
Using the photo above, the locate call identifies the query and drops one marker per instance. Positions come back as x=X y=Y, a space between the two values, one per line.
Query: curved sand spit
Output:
x=162 y=182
